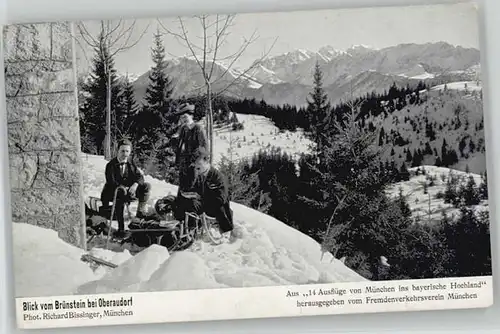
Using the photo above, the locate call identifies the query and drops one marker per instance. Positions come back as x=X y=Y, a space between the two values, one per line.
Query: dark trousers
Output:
x=186 y=173
x=219 y=212
x=122 y=197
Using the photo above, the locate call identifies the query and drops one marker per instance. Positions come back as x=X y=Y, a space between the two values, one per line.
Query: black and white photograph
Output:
x=247 y=150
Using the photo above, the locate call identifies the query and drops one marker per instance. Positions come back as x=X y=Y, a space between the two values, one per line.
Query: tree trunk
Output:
x=107 y=141
x=209 y=117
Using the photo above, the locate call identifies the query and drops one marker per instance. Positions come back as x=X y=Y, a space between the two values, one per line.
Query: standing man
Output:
x=191 y=137
x=123 y=173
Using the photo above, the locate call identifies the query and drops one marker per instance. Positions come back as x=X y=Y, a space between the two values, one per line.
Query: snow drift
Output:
x=45 y=265
x=262 y=252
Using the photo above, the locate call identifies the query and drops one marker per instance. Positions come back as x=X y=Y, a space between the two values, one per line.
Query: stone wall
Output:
x=43 y=129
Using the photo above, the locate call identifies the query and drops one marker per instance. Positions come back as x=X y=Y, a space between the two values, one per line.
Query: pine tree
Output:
x=468 y=238
x=381 y=137
x=428 y=149
x=451 y=191
x=461 y=146
x=318 y=109
x=160 y=88
x=130 y=109
x=93 y=108
x=469 y=192
x=429 y=132
x=483 y=187
x=404 y=173
x=472 y=146
x=351 y=193
x=445 y=154
x=409 y=156
x=452 y=157
x=156 y=121
x=417 y=158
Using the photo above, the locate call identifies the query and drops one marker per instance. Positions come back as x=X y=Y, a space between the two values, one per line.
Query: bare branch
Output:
x=188 y=43
x=218 y=40
x=126 y=46
x=170 y=32
x=244 y=73
x=236 y=56
x=112 y=31
x=203 y=20
x=183 y=36
x=87 y=36
x=106 y=37
x=82 y=48
x=121 y=32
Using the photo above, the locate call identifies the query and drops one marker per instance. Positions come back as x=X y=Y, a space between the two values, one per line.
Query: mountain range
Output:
x=288 y=78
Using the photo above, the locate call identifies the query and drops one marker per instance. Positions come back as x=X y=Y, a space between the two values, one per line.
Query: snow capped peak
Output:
x=227 y=69
x=361 y=46
x=329 y=52
x=298 y=55
x=304 y=52
x=130 y=76
x=326 y=53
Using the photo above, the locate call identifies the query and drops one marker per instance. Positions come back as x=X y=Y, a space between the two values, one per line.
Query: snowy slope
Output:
x=460 y=85
x=429 y=207
x=454 y=115
x=258 y=133
x=264 y=252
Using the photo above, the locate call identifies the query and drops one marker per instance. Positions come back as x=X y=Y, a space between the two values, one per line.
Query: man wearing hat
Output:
x=191 y=137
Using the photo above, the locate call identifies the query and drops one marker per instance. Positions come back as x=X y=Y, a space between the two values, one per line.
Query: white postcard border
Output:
x=254 y=303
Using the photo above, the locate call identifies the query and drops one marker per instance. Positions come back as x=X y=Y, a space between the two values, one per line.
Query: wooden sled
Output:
x=99 y=218
x=173 y=234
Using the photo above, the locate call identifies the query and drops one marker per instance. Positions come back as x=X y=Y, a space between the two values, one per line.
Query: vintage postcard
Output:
x=247 y=166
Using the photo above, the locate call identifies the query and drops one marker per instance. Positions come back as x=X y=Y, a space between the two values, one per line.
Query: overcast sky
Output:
x=376 y=27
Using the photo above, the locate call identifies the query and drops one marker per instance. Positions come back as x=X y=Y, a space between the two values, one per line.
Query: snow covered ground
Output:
x=426 y=207
x=258 y=133
x=44 y=265
x=264 y=252
x=460 y=85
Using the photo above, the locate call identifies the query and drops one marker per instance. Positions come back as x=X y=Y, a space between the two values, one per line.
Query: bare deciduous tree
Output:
x=207 y=54
x=112 y=38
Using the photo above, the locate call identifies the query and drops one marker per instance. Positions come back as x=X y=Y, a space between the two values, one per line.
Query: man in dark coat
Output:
x=209 y=193
x=191 y=137
x=123 y=172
